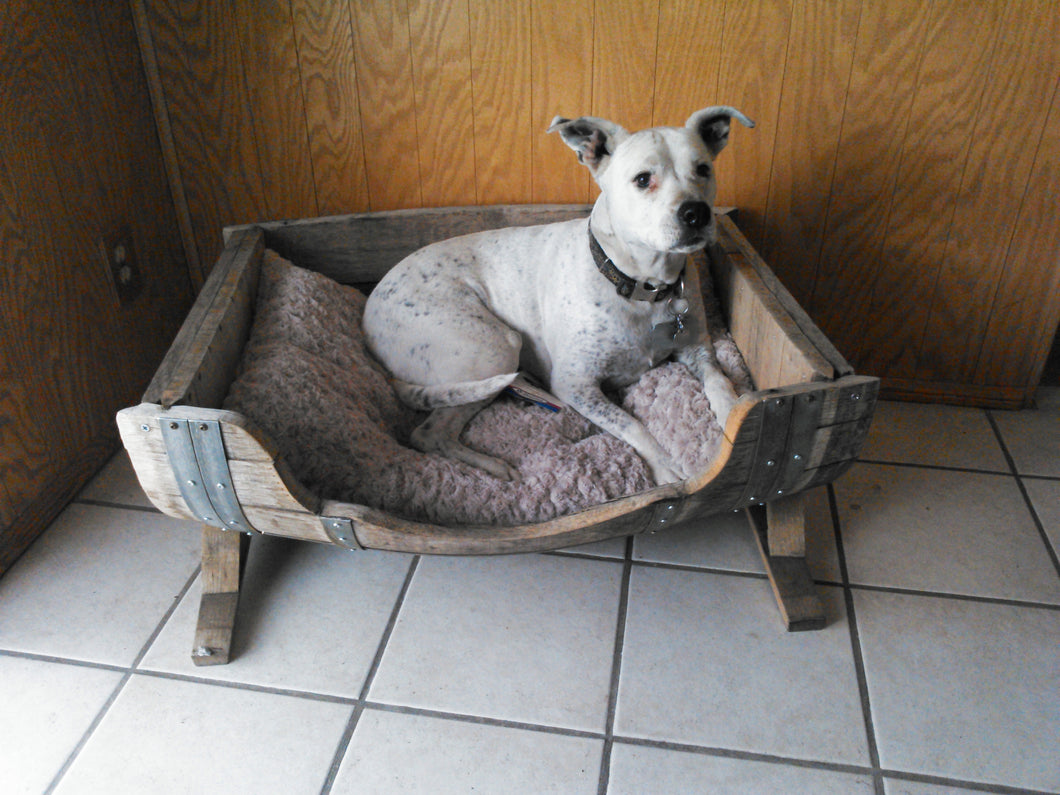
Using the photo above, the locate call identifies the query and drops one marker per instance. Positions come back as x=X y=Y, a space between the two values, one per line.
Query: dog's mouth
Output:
x=694 y=241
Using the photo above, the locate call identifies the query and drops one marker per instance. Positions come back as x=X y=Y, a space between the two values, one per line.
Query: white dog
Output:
x=580 y=306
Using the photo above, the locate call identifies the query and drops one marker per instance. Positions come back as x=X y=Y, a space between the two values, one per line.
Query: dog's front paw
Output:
x=663 y=473
x=722 y=398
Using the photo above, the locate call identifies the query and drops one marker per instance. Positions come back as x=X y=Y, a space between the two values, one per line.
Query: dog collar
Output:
x=627 y=286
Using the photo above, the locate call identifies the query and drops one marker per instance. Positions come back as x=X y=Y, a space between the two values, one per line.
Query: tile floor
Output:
x=654 y=666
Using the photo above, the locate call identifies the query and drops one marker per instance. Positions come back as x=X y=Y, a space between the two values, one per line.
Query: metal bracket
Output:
x=197 y=455
x=340 y=531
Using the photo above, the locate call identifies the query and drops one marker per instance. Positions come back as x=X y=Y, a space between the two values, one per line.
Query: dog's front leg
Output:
x=699 y=356
x=589 y=401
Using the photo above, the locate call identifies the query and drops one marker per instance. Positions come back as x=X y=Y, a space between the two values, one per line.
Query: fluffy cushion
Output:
x=308 y=381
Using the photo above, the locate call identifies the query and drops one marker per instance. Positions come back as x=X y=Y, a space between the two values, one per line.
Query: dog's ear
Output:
x=593 y=139
x=712 y=125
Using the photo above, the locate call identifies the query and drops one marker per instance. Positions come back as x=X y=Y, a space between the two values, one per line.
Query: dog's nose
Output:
x=694 y=215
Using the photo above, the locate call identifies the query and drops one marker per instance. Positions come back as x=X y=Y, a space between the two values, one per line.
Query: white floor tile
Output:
x=163 y=736
x=47 y=709
x=95 y=586
x=708 y=662
x=116 y=483
x=527 y=638
x=894 y=786
x=394 y=753
x=310 y=618
x=963 y=690
x=951 y=532
x=636 y=770
x=919 y=433
x=724 y=541
x=1045 y=496
x=1033 y=436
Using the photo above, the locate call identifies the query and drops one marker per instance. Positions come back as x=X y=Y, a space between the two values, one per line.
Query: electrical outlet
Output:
x=124 y=269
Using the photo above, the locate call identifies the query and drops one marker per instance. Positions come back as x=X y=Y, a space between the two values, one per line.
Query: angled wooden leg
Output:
x=780 y=530
x=223 y=556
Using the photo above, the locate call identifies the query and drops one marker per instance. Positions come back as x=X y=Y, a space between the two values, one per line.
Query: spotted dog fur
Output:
x=456 y=321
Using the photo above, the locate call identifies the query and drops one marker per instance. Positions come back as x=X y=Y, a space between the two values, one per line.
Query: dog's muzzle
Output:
x=694 y=215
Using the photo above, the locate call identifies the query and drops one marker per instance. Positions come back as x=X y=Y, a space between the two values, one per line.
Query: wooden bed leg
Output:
x=780 y=530
x=223 y=555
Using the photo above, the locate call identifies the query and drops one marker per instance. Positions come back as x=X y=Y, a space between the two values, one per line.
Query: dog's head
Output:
x=658 y=184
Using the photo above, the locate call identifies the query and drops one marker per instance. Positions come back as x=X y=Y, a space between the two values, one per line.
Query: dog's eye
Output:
x=703 y=170
x=643 y=179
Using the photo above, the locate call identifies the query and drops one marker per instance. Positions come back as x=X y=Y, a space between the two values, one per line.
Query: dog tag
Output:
x=667 y=337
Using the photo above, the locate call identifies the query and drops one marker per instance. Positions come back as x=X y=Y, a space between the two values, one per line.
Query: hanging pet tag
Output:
x=668 y=336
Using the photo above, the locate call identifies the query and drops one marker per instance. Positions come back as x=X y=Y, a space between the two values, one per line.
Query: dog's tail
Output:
x=426 y=398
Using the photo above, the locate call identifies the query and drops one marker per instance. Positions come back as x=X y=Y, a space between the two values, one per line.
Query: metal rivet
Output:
x=780 y=491
x=797 y=457
x=203 y=427
x=206 y=518
x=342 y=538
x=753 y=499
x=771 y=463
x=780 y=401
x=220 y=486
x=173 y=426
x=855 y=396
x=191 y=482
x=145 y=428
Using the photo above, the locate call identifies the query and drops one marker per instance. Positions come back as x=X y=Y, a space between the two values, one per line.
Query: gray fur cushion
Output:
x=308 y=381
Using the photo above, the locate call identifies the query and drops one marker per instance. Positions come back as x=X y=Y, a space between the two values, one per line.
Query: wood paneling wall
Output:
x=902 y=179
x=79 y=162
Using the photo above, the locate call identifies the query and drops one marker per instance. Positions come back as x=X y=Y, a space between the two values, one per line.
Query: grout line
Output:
x=1026 y=496
x=616 y=669
x=745 y=756
x=956 y=597
x=121 y=506
x=936 y=467
x=126 y=676
x=358 y=709
x=855 y=644
x=481 y=720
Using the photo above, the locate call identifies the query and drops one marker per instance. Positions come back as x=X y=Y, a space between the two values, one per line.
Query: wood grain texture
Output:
x=388 y=103
x=79 y=163
x=1022 y=312
x=752 y=83
x=625 y=40
x=267 y=49
x=1012 y=113
x=875 y=123
x=686 y=77
x=328 y=72
x=211 y=115
x=561 y=74
x=502 y=114
x=955 y=64
x=809 y=119
x=441 y=80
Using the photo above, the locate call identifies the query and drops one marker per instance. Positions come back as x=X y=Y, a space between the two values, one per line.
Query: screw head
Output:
x=145 y=428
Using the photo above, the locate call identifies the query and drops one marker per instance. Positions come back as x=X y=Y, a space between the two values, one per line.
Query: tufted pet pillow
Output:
x=307 y=379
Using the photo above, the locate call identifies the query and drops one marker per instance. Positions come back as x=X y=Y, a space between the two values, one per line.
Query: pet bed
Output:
x=212 y=440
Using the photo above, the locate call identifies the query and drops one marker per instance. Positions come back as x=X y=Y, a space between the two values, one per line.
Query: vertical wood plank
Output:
x=270 y=68
x=625 y=40
x=754 y=52
x=328 y=73
x=388 y=104
x=1012 y=113
x=1025 y=312
x=890 y=42
x=561 y=47
x=686 y=77
x=953 y=71
x=201 y=71
x=500 y=77
x=441 y=69
x=816 y=73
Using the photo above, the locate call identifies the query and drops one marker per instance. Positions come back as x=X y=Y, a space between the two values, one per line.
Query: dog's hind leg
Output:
x=440 y=433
